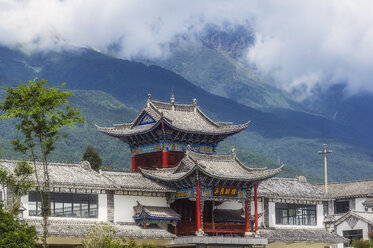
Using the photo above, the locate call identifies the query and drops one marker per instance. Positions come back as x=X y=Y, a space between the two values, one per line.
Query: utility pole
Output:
x=325 y=152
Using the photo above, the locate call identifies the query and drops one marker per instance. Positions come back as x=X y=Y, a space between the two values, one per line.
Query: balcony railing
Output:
x=213 y=229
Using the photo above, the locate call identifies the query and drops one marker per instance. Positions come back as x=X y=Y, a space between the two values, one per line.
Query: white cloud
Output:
x=299 y=43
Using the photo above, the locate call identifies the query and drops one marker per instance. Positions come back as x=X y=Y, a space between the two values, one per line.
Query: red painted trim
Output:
x=164 y=159
x=256 y=206
x=198 y=206
x=246 y=215
x=133 y=163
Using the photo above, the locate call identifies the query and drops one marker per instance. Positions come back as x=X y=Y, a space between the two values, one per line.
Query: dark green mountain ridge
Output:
x=129 y=82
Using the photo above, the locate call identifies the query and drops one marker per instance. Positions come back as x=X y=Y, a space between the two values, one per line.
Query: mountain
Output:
x=277 y=135
x=100 y=107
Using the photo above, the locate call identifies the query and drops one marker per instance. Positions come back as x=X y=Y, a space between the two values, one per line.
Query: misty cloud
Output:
x=299 y=44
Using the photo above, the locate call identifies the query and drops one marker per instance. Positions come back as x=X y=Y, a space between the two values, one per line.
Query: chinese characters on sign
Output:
x=225 y=191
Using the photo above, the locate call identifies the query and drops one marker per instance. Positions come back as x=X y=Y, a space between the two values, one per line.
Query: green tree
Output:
x=92 y=156
x=101 y=236
x=41 y=112
x=19 y=182
x=363 y=243
x=14 y=234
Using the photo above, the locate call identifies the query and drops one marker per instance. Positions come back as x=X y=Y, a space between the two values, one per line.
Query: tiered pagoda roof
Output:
x=220 y=167
x=180 y=117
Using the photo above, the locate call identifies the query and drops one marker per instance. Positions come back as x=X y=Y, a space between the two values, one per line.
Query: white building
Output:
x=351 y=209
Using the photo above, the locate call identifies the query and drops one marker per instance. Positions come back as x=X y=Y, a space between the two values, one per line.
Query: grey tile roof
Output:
x=349 y=189
x=225 y=167
x=365 y=216
x=77 y=229
x=157 y=212
x=68 y=175
x=301 y=235
x=290 y=188
x=187 y=118
x=135 y=181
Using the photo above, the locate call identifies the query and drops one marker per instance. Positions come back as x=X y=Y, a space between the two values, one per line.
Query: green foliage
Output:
x=92 y=156
x=14 y=234
x=41 y=113
x=102 y=236
x=363 y=243
x=20 y=183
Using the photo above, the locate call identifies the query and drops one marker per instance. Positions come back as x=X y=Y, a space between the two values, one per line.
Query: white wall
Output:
x=345 y=227
x=272 y=217
x=123 y=205
x=359 y=204
x=102 y=207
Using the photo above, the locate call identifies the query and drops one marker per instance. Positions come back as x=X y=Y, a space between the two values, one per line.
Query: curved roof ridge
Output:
x=211 y=156
x=168 y=105
x=198 y=109
x=79 y=164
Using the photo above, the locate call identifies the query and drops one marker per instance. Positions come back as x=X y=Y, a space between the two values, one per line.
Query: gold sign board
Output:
x=225 y=191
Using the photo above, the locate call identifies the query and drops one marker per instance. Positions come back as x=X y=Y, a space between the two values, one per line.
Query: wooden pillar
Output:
x=256 y=206
x=133 y=163
x=198 y=206
x=247 y=215
x=164 y=158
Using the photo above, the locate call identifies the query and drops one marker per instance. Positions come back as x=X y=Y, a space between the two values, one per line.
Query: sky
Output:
x=299 y=43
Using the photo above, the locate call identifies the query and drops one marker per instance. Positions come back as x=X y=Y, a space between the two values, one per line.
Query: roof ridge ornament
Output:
x=148 y=101
x=188 y=149
x=195 y=104
x=234 y=152
x=172 y=100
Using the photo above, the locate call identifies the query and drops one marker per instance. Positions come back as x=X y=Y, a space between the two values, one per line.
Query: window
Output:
x=341 y=207
x=66 y=205
x=295 y=214
x=352 y=235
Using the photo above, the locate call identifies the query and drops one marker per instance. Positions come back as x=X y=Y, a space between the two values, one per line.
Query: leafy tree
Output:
x=101 y=236
x=41 y=112
x=14 y=234
x=91 y=155
x=363 y=243
x=19 y=182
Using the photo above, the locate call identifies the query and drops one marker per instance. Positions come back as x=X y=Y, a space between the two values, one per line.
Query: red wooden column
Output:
x=198 y=206
x=256 y=206
x=247 y=215
x=164 y=158
x=133 y=163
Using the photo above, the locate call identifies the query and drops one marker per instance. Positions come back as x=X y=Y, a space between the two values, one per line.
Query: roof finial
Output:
x=148 y=101
x=195 y=101
x=188 y=149
x=172 y=98
x=234 y=152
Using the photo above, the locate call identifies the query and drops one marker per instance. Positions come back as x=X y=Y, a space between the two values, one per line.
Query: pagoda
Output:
x=160 y=134
x=175 y=145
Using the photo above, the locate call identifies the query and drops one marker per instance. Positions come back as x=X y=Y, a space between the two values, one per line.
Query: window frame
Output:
x=69 y=205
x=350 y=236
x=295 y=214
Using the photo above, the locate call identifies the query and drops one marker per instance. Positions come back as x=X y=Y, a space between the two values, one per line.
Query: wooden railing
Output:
x=212 y=229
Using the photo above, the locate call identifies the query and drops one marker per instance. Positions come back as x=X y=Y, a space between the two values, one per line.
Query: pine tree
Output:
x=92 y=156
